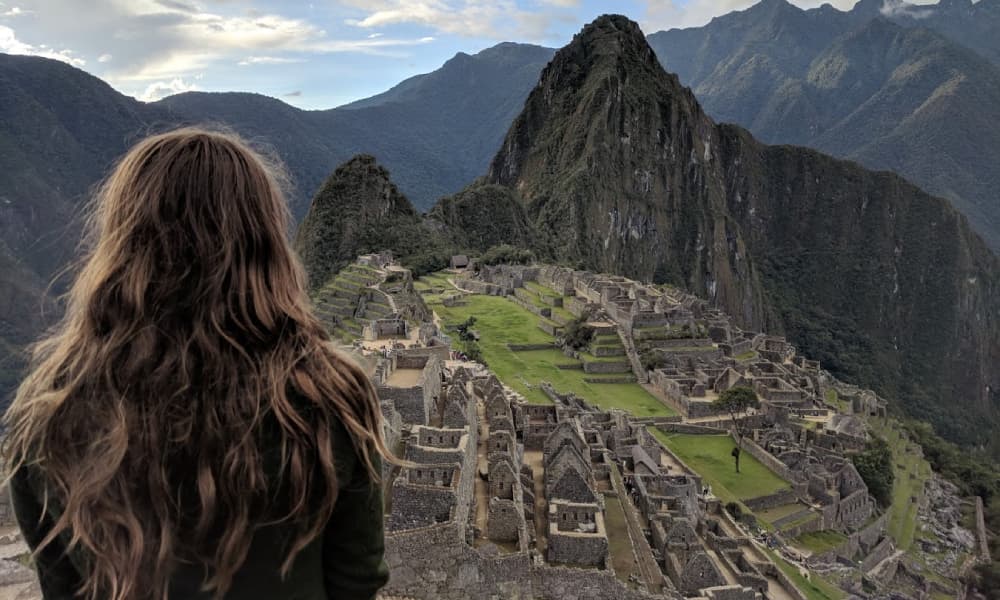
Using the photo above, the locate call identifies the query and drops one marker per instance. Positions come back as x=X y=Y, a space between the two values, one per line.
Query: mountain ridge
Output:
x=913 y=102
x=910 y=294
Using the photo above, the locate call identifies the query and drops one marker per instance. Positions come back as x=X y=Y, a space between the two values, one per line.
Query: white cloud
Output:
x=15 y=11
x=899 y=8
x=11 y=45
x=162 y=89
x=267 y=60
x=491 y=19
x=104 y=58
x=160 y=40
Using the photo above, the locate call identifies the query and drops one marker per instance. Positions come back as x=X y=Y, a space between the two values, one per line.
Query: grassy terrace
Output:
x=500 y=321
x=902 y=522
x=819 y=542
x=709 y=456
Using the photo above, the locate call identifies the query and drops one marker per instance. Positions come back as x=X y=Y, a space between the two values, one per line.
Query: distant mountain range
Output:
x=887 y=84
x=61 y=129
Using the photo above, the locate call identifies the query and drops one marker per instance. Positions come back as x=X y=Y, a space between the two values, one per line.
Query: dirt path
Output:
x=533 y=458
x=482 y=465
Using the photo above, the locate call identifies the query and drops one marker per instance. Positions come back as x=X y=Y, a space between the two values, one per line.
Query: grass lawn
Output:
x=819 y=542
x=500 y=321
x=540 y=289
x=773 y=514
x=815 y=588
x=709 y=456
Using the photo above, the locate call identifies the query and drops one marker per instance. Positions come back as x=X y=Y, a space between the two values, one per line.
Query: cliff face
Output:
x=483 y=216
x=621 y=171
x=618 y=168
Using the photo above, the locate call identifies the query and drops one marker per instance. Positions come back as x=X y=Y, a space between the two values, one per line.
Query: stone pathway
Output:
x=17 y=582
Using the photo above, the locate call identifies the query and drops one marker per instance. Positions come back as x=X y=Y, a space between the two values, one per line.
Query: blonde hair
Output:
x=187 y=326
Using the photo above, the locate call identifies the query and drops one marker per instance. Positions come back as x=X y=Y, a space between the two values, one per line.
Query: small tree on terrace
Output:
x=737 y=401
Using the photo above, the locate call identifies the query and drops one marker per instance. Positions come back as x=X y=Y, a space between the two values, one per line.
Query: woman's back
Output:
x=187 y=428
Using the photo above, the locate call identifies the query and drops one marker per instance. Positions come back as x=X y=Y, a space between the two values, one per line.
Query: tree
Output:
x=736 y=401
x=465 y=332
x=578 y=334
x=874 y=465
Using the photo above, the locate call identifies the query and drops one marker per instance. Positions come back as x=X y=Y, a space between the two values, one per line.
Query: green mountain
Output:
x=358 y=210
x=620 y=170
x=877 y=85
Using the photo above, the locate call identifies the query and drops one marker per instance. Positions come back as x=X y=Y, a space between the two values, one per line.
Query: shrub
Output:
x=577 y=334
x=874 y=465
x=507 y=255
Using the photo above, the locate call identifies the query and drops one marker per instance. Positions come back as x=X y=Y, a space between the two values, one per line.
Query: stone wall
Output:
x=505 y=522
x=524 y=347
x=415 y=506
x=768 y=460
x=6 y=509
x=880 y=552
x=688 y=428
x=577 y=549
x=780 y=498
x=478 y=287
x=566 y=583
x=607 y=367
x=984 y=546
x=435 y=563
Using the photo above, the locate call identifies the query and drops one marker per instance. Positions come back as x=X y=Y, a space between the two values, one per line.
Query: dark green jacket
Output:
x=343 y=563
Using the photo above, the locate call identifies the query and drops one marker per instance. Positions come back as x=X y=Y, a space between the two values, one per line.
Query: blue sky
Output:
x=313 y=55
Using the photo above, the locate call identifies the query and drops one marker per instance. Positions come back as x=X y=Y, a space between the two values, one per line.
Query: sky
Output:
x=312 y=55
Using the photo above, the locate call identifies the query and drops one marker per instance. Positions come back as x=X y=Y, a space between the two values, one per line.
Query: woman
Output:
x=187 y=431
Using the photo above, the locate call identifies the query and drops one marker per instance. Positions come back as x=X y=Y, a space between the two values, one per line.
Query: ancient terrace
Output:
x=603 y=471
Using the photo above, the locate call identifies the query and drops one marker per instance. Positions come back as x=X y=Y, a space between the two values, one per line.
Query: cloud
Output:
x=899 y=8
x=295 y=94
x=11 y=45
x=491 y=19
x=104 y=58
x=15 y=11
x=162 y=89
x=267 y=60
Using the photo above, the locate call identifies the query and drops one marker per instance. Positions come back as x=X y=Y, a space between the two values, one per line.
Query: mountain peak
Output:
x=606 y=83
x=355 y=204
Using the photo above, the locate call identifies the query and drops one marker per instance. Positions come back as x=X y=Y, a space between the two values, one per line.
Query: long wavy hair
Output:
x=187 y=330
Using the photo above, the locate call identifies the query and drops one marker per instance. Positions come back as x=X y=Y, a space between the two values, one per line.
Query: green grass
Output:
x=778 y=512
x=500 y=321
x=819 y=542
x=833 y=399
x=746 y=355
x=709 y=456
x=541 y=289
x=815 y=588
x=588 y=357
